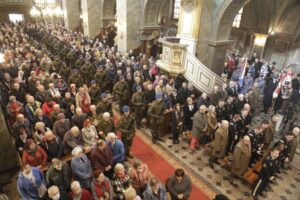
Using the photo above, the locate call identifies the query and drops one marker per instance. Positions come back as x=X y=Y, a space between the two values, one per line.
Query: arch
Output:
x=108 y=11
x=222 y=23
x=151 y=10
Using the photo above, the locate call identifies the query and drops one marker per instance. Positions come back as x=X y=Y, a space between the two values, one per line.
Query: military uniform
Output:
x=269 y=134
x=106 y=126
x=121 y=90
x=139 y=103
x=76 y=79
x=94 y=93
x=268 y=170
x=257 y=140
x=233 y=136
x=104 y=106
x=87 y=72
x=155 y=112
x=127 y=126
x=100 y=78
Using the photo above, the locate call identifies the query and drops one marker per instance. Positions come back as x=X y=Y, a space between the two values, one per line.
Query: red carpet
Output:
x=158 y=166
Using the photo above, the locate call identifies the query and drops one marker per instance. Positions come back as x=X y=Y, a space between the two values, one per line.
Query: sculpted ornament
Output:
x=189 y=5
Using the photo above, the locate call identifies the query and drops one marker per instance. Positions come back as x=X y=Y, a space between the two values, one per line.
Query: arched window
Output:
x=237 y=20
x=14 y=17
x=176 y=9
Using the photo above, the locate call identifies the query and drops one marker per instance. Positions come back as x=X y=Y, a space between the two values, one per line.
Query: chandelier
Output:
x=46 y=9
x=42 y=4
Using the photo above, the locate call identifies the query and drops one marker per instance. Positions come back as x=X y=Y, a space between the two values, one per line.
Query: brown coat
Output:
x=241 y=158
x=294 y=145
x=220 y=142
x=212 y=122
x=199 y=124
x=269 y=133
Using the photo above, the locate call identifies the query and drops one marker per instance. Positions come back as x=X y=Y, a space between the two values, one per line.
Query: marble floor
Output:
x=285 y=188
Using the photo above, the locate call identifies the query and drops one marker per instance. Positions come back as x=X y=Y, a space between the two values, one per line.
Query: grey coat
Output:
x=199 y=124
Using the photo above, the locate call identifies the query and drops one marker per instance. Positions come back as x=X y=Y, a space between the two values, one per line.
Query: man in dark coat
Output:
x=269 y=89
x=139 y=103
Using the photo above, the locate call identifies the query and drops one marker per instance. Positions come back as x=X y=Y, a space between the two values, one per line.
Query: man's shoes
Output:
x=160 y=139
x=255 y=198
x=153 y=141
x=269 y=189
x=211 y=165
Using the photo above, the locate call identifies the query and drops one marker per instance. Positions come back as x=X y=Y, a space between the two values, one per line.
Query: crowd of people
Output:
x=60 y=92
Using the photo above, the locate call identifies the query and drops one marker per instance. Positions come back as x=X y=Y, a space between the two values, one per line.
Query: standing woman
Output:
x=189 y=110
x=89 y=133
x=177 y=122
x=212 y=124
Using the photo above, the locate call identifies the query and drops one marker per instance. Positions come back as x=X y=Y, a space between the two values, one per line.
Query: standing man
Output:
x=127 y=128
x=156 y=113
x=266 y=174
x=220 y=143
x=199 y=126
x=139 y=103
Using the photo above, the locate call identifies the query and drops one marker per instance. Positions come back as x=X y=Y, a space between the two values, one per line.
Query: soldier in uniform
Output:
x=126 y=125
x=220 y=143
x=221 y=113
x=100 y=78
x=257 y=143
x=234 y=133
x=241 y=158
x=138 y=101
x=121 y=91
x=105 y=105
x=286 y=152
x=79 y=62
x=266 y=174
x=94 y=92
x=65 y=71
x=76 y=78
x=105 y=125
x=229 y=107
x=156 y=113
x=87 y=71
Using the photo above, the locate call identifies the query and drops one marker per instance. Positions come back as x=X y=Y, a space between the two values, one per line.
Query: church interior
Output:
x=149 y=99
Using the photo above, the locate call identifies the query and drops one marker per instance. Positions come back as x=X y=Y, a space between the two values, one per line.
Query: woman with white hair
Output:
x=40 y=131
x=120 y=181
x=79 y=193
x=117 y=148
x=212 y=123
x=81 y=167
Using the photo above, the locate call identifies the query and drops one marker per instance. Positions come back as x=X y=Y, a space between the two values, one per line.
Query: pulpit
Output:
x=173 y=55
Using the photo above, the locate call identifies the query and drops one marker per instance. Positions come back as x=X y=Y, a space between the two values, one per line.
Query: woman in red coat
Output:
x=34 y=155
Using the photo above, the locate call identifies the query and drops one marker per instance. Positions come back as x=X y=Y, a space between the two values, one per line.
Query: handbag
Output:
x=42 y=190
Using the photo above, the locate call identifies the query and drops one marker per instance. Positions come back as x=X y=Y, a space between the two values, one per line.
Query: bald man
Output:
x=220 y=143
x=241 y=157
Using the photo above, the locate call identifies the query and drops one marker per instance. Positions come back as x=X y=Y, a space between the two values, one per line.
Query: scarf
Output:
x=101 y=188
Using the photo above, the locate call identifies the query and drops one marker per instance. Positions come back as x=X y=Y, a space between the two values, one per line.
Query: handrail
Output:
x=202 y=77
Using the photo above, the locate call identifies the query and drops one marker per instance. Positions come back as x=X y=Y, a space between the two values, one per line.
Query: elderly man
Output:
x=106 y=125
x=220 y=143
x=241 y=158
x=127 y=127
x=81 y=167
x=296 y=132
x=52 y=145
x=31 y=184
x=60 y=175
x=116 y=147
x=72 y=139
x=30 y=108
x=199 y=126
x=54 y=194
x=78 y=118
x=61 y=126
x=79 y=193
x=21 y=122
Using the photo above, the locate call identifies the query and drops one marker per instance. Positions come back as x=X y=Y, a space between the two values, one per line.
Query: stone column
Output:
x=71 y=14
x=91 y=17
x=9 y=162
x=128 y=19
x=217 y=55
x=189 y=23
